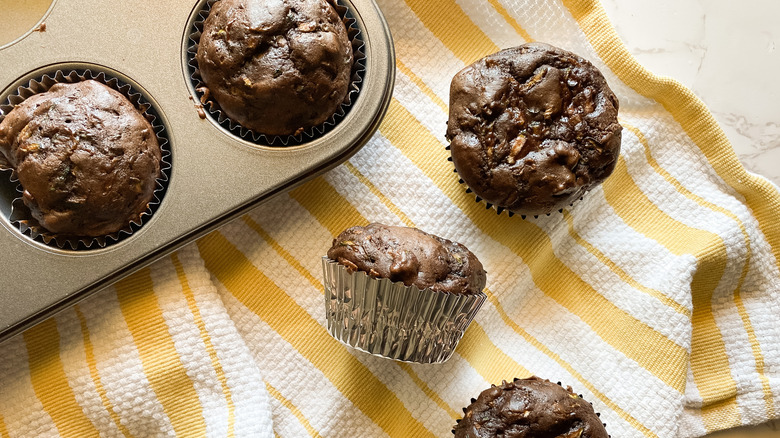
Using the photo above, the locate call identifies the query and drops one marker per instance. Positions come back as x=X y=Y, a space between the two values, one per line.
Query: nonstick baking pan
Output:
x=215 y=174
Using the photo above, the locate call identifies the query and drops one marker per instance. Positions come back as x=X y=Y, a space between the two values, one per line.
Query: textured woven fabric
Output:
x=656 y=297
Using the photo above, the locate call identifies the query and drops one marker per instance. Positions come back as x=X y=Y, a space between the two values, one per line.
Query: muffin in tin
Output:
x=401 y=293
x=276 y=68
x=528 y=408
x=532 y=128
x=87 y=160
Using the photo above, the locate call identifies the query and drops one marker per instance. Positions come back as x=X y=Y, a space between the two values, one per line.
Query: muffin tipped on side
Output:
x=401 y=293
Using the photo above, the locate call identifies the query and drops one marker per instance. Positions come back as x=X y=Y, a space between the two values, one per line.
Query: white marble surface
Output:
x=727 y=52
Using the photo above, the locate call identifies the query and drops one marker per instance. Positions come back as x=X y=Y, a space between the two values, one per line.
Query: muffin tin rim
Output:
x=34 y=28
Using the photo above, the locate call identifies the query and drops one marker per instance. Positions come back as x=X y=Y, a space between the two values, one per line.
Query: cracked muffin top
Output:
x=529 y=408
x=86 y=158
x=410 y=256
x=277 y=67
x=532 y=128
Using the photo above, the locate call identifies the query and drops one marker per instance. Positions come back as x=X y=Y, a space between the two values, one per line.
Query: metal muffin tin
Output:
x=215 y=176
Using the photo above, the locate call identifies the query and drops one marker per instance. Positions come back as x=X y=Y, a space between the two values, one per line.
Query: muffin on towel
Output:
x=401 y=293
x=529 y=408
x=532 y=128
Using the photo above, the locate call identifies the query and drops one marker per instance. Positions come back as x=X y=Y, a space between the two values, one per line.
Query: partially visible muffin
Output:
x=277 y=67
x=532 y=128
x=529 y=408
x=411 y=256
x=87 y=159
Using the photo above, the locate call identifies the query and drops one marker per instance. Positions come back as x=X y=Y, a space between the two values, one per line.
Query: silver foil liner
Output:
x=392 y=320
x=20 y=214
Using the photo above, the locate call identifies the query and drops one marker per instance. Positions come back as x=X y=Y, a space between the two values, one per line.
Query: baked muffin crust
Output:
x=410 y=256
x=532 y=128
x=529 y=408
x=86 y=158
x=276 y=67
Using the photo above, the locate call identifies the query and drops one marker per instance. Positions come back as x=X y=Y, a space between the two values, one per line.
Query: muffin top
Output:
x=411 y=256
x=86 y=158
x=276 y=67
x=529 y=408
x=532 y=128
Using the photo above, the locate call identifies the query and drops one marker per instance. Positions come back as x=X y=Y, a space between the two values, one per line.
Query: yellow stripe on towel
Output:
x=614 y=267
x=161 y=362
x=743 y=313
x=206 y=337
x=457 y=32
x=416 y=80
x=3 y=429
x=294 y=409
x=512 y=22
x=50 y=383
x=95 y=374
x=259 y=294
x=694 y=117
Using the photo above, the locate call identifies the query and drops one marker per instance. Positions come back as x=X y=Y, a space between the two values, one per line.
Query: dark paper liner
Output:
x=498 y=209
x=20 y=214
x=598 y=414
x=212 y=109
x=392 y=320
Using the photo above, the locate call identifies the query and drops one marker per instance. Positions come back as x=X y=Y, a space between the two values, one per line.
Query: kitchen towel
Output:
x=655 y=297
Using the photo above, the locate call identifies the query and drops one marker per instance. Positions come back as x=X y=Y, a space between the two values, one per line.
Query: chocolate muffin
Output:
x=401 y=293
x=410 y=256
x=532 y=128
x=529 y=408
x=276 y=67
x=85 y=157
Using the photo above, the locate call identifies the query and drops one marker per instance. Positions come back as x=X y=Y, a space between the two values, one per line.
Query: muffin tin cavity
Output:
x=17 y=22
x=209 y=108
x=16 y=214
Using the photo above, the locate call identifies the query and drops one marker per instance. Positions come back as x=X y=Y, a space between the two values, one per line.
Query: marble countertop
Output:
x=727 y=53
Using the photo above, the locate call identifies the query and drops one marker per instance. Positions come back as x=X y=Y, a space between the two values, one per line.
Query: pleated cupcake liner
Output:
x=212 y=109
x=21 y=216
x=504 y=383
x=499 y=209
x=392 y=320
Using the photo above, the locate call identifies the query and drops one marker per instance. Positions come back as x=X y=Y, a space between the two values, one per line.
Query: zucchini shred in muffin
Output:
x=276 y=67
x=87 y=160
